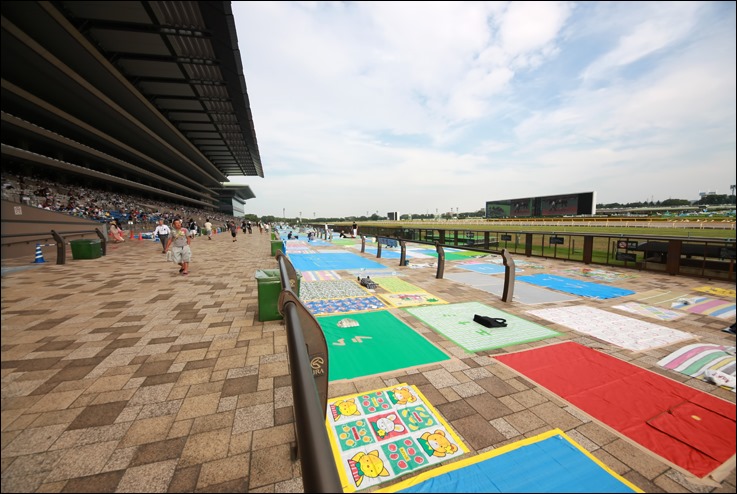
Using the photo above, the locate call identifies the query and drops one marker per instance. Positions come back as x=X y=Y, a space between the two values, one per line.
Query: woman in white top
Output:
x=163 y=232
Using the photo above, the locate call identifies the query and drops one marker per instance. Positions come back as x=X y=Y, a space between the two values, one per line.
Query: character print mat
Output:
x=384 y=434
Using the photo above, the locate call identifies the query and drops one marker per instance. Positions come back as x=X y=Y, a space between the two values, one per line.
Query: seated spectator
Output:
x=116 y=234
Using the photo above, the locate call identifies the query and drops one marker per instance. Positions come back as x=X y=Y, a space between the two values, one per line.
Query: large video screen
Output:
x=558 y=205
x=582 y=203
x=521 y=207
x=498 y=209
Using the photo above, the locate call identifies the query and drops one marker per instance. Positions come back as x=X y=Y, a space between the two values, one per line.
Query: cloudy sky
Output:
x=424 y=106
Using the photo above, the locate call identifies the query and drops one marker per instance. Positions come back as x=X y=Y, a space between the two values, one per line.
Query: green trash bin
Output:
x=269 y=288
x=86 y=248
x=276 y=246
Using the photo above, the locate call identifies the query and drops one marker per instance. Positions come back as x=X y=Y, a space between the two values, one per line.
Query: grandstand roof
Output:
x=146 y=92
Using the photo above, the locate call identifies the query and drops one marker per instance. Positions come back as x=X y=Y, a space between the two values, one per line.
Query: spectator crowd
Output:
x=95 y=204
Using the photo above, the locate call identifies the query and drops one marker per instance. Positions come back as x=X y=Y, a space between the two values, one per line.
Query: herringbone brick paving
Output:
x=119 y=375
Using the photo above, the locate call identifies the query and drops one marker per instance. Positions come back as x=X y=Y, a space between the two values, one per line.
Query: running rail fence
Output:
x=308 y=366
x=684 y=256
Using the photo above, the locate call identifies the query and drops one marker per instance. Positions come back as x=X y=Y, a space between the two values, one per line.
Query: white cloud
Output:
x=416 y=106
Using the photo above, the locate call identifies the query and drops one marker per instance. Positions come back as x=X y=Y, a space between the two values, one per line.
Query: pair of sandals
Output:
x=490 y=322
x=183 y=272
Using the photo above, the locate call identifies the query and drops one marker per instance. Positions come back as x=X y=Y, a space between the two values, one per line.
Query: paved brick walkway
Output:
x=119 y=375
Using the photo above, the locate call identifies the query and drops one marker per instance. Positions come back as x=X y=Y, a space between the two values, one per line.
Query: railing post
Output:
x=363 y=244
x=378 y=247
x=509 y=270
x=403 y=256
x=103 y=241
x=61 y=251
x=528 y=245
x=441 y=260
x=291 y=272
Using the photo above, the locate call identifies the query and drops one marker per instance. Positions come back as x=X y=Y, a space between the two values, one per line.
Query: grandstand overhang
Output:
x=239 y=192
x=152 y=91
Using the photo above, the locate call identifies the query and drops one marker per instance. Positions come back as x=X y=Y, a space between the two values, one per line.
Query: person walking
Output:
x=208 y=229
x=355 y=229
x=162 y=231
x=233 y=230
x=179 y=243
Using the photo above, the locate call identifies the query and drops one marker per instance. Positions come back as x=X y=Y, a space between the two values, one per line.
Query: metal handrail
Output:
x=313 y=445
x=45 y=234
x=58 y=237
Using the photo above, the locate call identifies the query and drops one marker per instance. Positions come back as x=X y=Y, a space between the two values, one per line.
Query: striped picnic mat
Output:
x=694 y=359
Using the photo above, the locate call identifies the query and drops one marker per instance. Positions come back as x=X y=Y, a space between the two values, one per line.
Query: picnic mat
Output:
x=649 y=311
x=485 y=268
x=623 y=331
x=599 y=274
x=332 y=261
x=346 y=241
x=688 y=428
x=548 y=462
x=319 y=276
x=719 y=292
x=297 y=245
x=385 y=253
x=523 y=293
x=519 y=263
x=575 y=287
x=374 y=273
x=368 y=343
x=455 y=322
x=693 y=360
x=316 y=290
x=419 y=254
x=450 y=255
x=383 y=434
x=392 y=284
x=410 y=299
x=663 y=298
x=352 y=304
x=706 y=305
